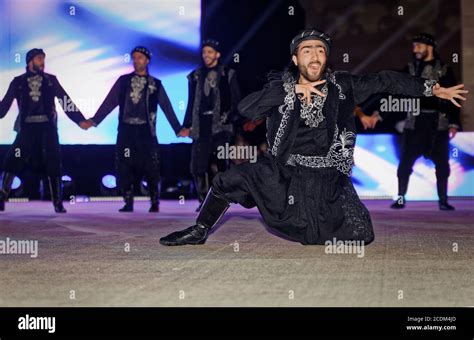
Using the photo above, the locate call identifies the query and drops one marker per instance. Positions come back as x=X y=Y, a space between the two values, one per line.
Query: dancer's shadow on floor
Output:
x=224 y=221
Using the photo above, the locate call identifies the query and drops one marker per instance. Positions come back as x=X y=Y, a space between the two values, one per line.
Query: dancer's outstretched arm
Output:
x=68 y=106
x=256 y=105
x=165 y=104
x=7 y=101
x=188 y=117
x=108 y=105
x=402 y=84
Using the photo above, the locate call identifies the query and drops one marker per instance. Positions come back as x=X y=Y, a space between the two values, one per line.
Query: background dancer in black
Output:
x=303 y=187
x=37 y=144
x=212 y=103
x=429 y=132
x=138 y=95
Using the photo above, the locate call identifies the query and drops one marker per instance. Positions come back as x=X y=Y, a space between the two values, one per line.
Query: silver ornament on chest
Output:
x=210 y=82
x=137 y=85
x=34 y=83
x=312 y=113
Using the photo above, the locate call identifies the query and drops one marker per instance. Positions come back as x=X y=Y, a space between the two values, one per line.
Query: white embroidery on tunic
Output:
x=313 y=113
x=339 y=156
x=284 y=109
x=153 y=118
x=341 y=151
x=34 y=83
x=210 y=83
x=152 y=85
x=332 y=79
x=137 y=84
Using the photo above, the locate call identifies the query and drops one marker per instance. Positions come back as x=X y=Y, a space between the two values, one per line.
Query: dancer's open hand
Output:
x=307 y=89
x=452 y=132
x=450 y=93
x=369 y=122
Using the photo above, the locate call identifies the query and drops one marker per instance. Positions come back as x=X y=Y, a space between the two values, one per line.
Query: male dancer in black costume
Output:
x=303 y=187
x=37 y=144
x=429 y=132
x=213 y=98
x=138 y=95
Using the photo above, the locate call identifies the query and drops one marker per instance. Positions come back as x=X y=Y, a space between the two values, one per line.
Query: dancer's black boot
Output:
x=5 y=189
x=442 y=186
x=213 y=208
x=56 y=189
x=154 y=197
x=128 y=199
x=402 y=190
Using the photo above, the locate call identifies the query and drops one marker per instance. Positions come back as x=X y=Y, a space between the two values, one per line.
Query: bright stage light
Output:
x=16 y=183
x=109 y=181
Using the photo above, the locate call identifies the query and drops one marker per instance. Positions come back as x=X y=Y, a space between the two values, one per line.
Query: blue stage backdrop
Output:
x=376 y=160
x=87 y=45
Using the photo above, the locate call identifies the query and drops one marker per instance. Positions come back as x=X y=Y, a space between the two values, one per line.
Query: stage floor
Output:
x=420 y=257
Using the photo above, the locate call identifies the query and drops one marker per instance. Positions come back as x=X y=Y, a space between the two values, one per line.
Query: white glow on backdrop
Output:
x=376 y=162
x=178 y=21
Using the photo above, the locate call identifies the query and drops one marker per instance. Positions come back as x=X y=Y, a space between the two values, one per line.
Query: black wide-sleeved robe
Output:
x=305 y=192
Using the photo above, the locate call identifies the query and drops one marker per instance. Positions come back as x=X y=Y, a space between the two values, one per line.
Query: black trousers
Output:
x=415 y=145
x=307 y=205
x=204 y=151
x=137 y=155
x=35 y=147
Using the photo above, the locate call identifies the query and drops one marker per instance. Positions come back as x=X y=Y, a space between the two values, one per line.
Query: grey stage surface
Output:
x=420 y=257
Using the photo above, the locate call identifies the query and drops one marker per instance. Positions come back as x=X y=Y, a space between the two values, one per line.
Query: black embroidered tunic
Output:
x=137 y=150
x=37 y=143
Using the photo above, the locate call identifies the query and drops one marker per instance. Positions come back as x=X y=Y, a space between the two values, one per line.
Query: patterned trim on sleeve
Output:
x=429 y=88
x=284 y=109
